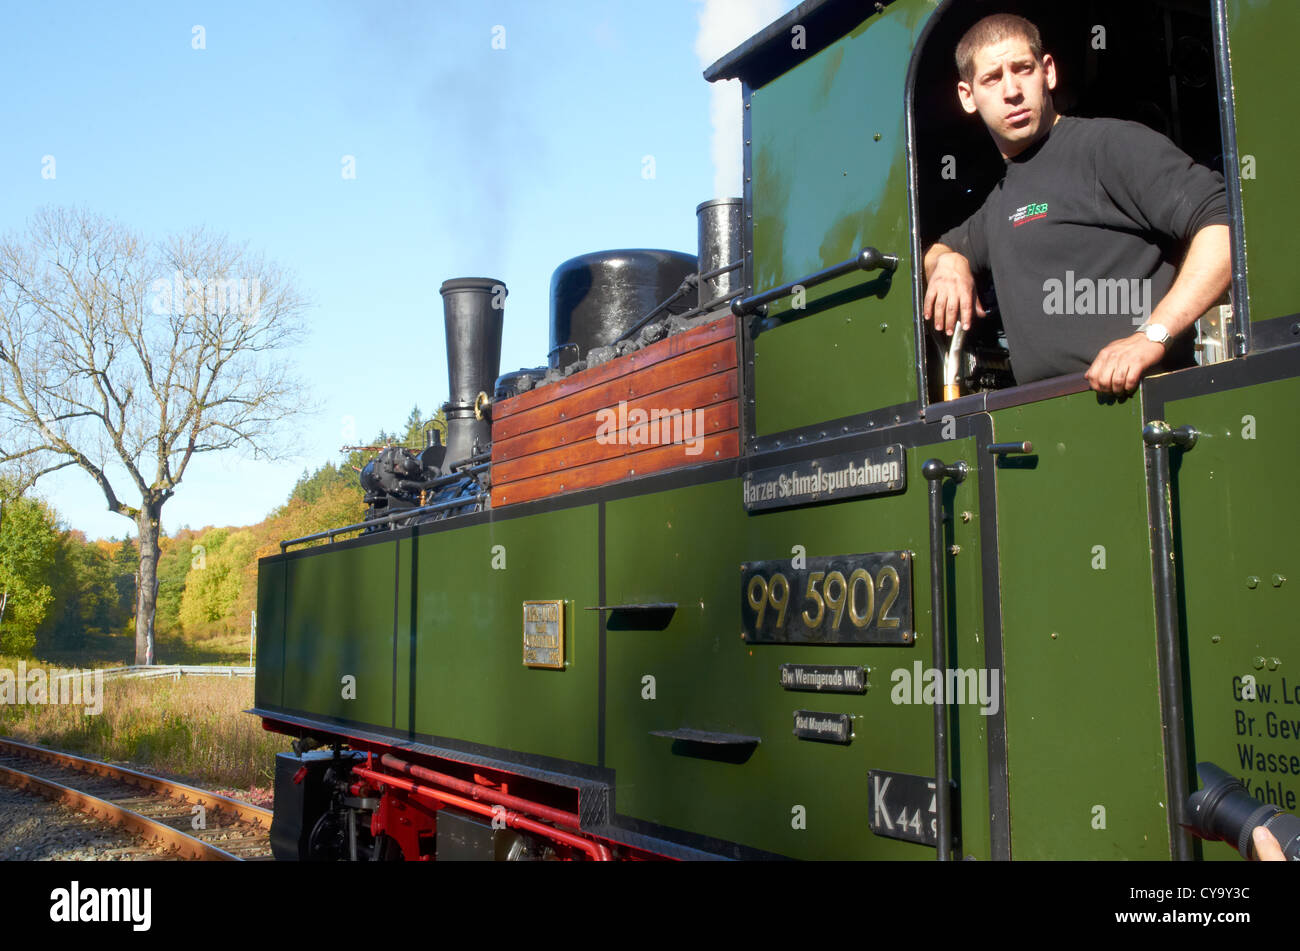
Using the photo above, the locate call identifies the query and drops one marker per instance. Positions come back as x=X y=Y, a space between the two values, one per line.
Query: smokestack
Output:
x=474 y=309
x=720 y=245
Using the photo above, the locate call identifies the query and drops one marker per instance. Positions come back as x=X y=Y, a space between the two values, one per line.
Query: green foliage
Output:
x=215 y=577
x=174 y=561
x=81 y=581
x=310 y=488
x=28 y=546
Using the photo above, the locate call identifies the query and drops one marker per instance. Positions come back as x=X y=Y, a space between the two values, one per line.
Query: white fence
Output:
x=175 y=671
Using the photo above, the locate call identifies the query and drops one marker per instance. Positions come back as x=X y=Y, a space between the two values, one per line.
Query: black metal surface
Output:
x=936 y=472
x=835 y=478
x=299 y=805
x=596 y=297
x=688 y=735
x=474 y=313
x=821 y=678
x=512 y=383
x=868 y=259
x=636 y=617
x=639 y=608
x=387 y=519
x=1232 y=180
x=1009 y=448
x=991 y=595
x=1159 y=439
x=823 y=727
x=1277 y=332
x=719 y=223
x=918 y=252
x=665 y=306
x=809 y=616
x=904 y=806
x=464 y=838
x=745 y=339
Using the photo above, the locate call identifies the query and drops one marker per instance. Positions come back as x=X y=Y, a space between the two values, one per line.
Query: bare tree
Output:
x=129 y=358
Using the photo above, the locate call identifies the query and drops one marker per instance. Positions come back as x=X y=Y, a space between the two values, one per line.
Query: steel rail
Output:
x=187 y=845
x=213 y=802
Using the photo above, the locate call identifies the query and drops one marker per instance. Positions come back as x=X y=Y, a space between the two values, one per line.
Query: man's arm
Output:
x=950 y=289
x=1204 y=276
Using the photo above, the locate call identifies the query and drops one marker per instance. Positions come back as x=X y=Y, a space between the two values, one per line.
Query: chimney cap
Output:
x=471 y=284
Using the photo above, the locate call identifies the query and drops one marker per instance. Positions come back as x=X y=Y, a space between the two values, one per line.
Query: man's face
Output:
x=1012 y=93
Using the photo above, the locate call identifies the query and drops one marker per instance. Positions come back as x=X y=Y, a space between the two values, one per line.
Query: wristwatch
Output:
x=1156 y=333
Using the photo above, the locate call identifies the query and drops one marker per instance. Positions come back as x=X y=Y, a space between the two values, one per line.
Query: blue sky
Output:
x=470 y=161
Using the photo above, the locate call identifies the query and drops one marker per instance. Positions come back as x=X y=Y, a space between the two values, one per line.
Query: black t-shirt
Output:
x=1083 y=237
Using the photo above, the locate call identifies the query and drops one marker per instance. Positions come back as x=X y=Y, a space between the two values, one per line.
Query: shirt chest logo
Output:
x=1028 y=213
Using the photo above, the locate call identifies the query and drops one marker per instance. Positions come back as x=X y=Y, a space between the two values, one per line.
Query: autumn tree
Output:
x=128 y=358
x=28 y=544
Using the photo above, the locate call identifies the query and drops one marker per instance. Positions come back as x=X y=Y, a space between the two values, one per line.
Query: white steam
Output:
x=724 y=25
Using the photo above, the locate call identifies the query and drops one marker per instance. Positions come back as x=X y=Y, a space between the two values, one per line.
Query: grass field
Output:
x=192 y=728
x=106 y=650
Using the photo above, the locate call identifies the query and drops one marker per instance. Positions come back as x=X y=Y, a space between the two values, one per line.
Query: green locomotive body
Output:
x=742 y=661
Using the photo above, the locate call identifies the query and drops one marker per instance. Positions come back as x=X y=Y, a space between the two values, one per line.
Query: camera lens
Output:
x=1222 y=810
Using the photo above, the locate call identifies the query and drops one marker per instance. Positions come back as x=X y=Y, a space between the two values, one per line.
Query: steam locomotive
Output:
x=754 y=567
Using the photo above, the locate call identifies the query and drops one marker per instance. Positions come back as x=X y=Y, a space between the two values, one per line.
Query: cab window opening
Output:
x=1148 y=61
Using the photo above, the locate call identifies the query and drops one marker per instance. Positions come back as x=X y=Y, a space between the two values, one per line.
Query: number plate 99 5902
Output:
x=842 y=599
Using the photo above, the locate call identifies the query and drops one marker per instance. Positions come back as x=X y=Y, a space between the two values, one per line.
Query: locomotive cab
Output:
x=1150 y=61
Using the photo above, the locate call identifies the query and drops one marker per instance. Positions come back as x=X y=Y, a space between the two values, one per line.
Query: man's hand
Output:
x=1266 y=846
x=950 y=290
x=1204 y=276
x=1120 y=366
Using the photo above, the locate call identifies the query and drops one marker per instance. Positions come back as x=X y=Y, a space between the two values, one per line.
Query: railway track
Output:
x=183 y=820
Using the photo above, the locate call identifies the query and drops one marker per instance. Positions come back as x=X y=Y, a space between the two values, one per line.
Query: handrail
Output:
x=868 y=259
x=396 y=516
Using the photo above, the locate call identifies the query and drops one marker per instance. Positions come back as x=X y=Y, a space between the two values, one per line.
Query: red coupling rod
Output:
x=558 y=816
x=593 y=850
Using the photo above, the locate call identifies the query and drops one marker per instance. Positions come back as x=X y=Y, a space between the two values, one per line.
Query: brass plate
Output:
x=544 y=634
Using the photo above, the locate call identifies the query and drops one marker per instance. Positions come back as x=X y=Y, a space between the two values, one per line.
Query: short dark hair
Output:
x=995 y=29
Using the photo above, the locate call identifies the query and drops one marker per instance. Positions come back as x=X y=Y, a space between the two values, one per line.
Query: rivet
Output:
x=1054 y=635
x=889 y=451
x=1252 y=582
x=954 y=549
x=1215 y=639
x=1274 y=663
x=884 y=327
x=1259 y=663
x=877 y=137
x=1278 y=580
x=966 y=516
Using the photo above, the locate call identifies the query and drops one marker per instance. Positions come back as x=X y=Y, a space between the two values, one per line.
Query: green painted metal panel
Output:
x=687 y=546
x=1230 y=506
x=472 y=683
x=830 y=177
x=339 y=623
x=404 y=634
x=1082 y=699
x=1262 y=37
x=268 y=683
